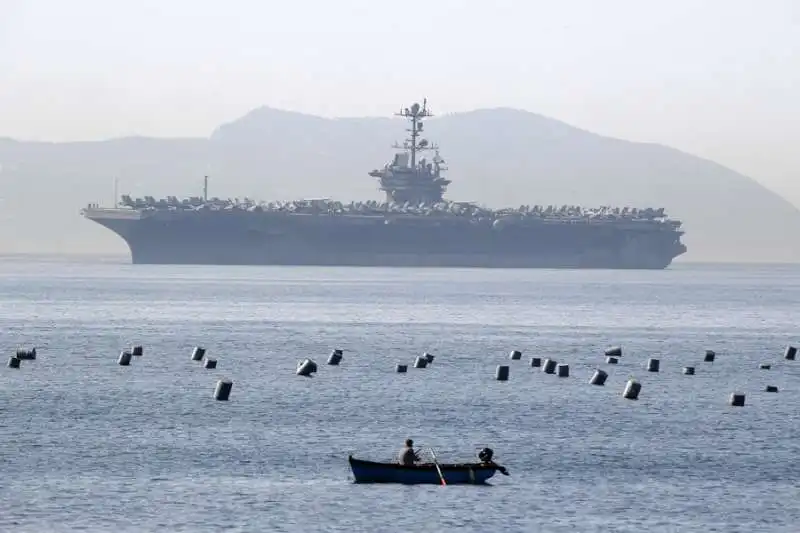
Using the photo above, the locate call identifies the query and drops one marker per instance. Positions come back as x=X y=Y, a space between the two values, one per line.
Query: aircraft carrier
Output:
x=414 y=227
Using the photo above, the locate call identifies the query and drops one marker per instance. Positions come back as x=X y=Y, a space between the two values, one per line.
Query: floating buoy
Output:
x=771 y=388
x=420 y=362
x=790 y=353
x=306 y=367
x=616 y=351
x=612 y=360
x=764 y=366
x=536 y=362
x=632 y=390
x=210 y=363
x=515 y=355
x=223 y=390
x=501 y=374
x=124 y=359
x=736 y=400
x=198 y=353
x=401 y=369
x=26 y=355
x=137 y=351
x=335 y=357
x=549 y=366
x=13 y=362
x=428 y=357
x=653 y=365
x=598 y=378
x=688 y=370
x=710 y=355
x=562 y=371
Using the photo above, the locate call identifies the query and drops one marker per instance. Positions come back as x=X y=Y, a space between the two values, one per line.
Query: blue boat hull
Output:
x=454 y=474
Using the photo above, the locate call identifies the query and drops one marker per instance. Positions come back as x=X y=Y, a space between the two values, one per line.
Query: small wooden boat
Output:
x=423 y=473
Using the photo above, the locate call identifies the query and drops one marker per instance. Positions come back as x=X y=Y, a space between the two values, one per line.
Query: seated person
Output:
x=407 y=455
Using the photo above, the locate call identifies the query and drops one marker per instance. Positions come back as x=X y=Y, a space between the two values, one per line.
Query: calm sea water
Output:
x=88 y=445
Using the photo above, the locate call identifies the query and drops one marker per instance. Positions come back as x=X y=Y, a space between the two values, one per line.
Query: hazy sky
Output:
x=717 y=78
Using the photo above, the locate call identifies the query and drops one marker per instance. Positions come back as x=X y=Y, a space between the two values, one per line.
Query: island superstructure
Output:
x=414 y=226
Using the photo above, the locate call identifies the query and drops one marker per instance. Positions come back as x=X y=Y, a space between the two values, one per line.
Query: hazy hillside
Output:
x=496 y=157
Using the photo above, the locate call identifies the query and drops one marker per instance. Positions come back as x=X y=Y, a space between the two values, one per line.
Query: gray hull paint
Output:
x=316 y=241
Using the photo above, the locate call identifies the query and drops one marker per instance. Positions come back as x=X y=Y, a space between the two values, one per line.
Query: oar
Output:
x=438 y=469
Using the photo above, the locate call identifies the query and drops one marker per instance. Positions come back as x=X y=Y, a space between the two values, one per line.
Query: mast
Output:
x=415 y=114
x=205 y=189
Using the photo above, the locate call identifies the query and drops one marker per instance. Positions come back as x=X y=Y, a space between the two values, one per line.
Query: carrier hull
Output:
x=259 y=239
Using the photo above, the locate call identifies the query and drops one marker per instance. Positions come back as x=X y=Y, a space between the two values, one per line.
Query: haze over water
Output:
x=85 y=443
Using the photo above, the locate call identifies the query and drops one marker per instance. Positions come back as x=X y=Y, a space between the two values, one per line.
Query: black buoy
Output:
x=688 y=371
x=306 y=367
x=223 y=390
x=790 y=353
x=771 y=388
x=137 y=351
x=764 y=366
x=428 y=357
x=420 y=362
x=612 y=360
x=710 y=355
x=536 y=362
x=13 y=362
x=210 y=364
x=632 y=390
x=598 y=378
x=26 y=355
x=653 y=365
x=198 y=353
x=549 y=366
x=336 y=357
x=736 y=400
x=562 y=371
x=501 y=374
x=615 y=351
x=124 y=358
x=401 y=369
x=515 y=355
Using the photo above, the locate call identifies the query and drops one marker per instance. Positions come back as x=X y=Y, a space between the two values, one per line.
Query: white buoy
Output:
x=688 y=370
x=335 y=358
x=653 y=365
x=13 y=362
x=420 y=362
x=198 y=353
x=536 y=362
x=501 y=374
x=736 y=400
x=223 y=390
x=771 y=388
x=612 y=360
x=598 y=378
x=790 y=353
x=401 y=369
x=632 y=390
x=562 y=371
x=137 y=351
x=306 y=367
x=549 y=366
x=710 y=355
x=428 y=357
x=615 y=351
x=210 y=364
x=124 y=359
x=515 y=355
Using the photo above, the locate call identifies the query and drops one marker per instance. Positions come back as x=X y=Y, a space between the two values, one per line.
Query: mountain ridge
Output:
x=498 y=156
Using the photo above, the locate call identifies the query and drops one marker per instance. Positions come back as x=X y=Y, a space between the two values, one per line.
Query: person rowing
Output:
x=407 y=455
